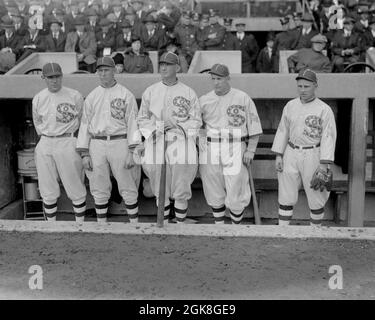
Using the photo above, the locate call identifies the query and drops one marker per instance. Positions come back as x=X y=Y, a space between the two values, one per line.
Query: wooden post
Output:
x=357 y=162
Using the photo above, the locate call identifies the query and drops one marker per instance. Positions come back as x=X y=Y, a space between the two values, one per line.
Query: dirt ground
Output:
x=107 y=266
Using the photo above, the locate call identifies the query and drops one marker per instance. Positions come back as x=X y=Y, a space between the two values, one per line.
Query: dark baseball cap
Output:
x=169 y=58
x=105 y=62
x=220 y=70
x=51 y=69
x=307 y=74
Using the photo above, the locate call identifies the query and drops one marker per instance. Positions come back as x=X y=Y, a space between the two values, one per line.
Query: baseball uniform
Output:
x=229 y=121
x=109 y=132
x=178 y=102
x=306 y=136
x=56 y=118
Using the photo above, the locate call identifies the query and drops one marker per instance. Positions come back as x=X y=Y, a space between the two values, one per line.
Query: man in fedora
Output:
x=84 y=44
x=304 y=34
x=152 y=38
x=55 y=39
x=105 y=38
x=213 y=34
x=248 y=46
x=346 y=46
x=229 y=41
x=124 y=39
x=9 y=41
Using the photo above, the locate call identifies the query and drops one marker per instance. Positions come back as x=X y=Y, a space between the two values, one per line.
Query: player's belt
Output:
x=64 y=135
x=115 y=137
x=229 y=139
x=302 y=147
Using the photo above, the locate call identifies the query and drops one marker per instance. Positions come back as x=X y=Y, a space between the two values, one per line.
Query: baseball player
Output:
x=173 y=107
x=304 y=142
x=57 y=112
x=230 y=119
x=107 y=139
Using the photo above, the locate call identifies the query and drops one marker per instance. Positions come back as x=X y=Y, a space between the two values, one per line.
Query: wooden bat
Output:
x=254 y=196
x=162 y=186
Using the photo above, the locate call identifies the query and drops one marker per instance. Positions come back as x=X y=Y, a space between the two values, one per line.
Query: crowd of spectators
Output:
x=329 y=35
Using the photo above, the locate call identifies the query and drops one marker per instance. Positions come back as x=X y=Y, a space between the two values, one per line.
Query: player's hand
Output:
x=247 y=157
x=129 y=161
x=87 y=163
x=279 y=164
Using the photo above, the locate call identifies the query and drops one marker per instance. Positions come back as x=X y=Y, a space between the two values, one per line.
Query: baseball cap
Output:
x=51 y=69
x=169 y=58
x=220 y=70
x=307 y=74
x=106 y=62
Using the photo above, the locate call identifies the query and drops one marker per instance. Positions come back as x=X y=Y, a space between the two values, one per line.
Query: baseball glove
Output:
x=322 y=179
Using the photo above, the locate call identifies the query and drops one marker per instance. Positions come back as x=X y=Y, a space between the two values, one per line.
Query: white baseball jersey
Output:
x=161 y=102
x=234 y=110
x=107 y=112
x=57 y=113
x=305 y=125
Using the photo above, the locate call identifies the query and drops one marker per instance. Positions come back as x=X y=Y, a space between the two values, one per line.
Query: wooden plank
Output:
x=357 y=159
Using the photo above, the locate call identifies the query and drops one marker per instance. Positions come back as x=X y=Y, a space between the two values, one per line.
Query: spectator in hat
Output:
x=105 y=38
x=118 y=59
x=137 y=5
x=72 y=15
x=31 y=42
x=175 y=47
x=9 y=42
x=248 y=46
x=229 y=41
x=82 y=6
x=104 y=9
x=361 y=25
x=136 y=60
x=297 y=19
x=213 y=35
x=92 y=24
x=123 y=40
x=19 y=25
x=324 y=16
x=23 y=7
x=168 y=16
x=48 y=7
x=304 y=34
x=84 y=44
x=152 y=38
x=264 y=63
x=186 y=35
x=118 y=11
x=369 y=35
x=203 y=23
x=137 y=25
x=114 y=24
x=55 y=40
x=346 y=46
x=311 y=58
x=195 y=19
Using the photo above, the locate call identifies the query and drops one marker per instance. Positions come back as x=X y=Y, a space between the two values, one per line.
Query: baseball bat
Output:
x=162 y=186
x=254 y=196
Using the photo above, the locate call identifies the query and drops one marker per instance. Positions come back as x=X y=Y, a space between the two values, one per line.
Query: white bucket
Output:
x=31 y=190
x=26 y=162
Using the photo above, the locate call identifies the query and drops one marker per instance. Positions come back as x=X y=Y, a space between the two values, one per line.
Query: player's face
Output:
x=54 y=83
x=306 y=90
x=221 y=84
x=106 y=75
x=167 y=71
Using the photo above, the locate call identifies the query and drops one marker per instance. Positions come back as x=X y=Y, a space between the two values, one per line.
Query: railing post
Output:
x=357 y=161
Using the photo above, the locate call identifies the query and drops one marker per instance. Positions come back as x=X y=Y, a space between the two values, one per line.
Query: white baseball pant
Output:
x=298 y=170
x=56 y=158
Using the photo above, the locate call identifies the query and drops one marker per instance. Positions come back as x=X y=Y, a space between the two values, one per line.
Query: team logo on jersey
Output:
x=66 y=112
x=118 y=109
x=182 y=107
x=236 y=115
x=314 y=127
